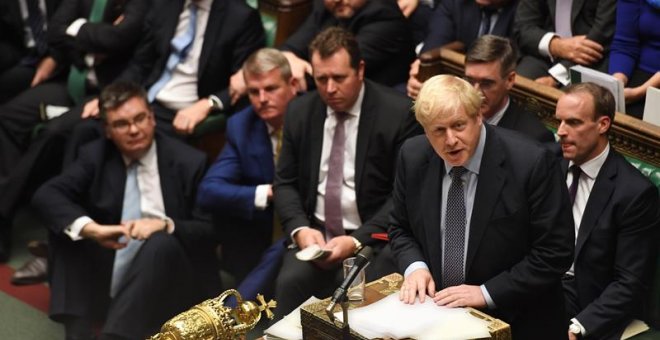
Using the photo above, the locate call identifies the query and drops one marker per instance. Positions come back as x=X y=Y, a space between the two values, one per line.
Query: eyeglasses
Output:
x=124 y=125
x=484 y=84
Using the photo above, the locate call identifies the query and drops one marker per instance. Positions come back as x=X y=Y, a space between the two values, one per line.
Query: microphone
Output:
x=362 y=258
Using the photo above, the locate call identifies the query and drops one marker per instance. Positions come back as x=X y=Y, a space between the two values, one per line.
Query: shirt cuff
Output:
x=217 y=103
x=170 y=224
x=544 y=45
x=414 y=266
x=261 y=196
x=75 y=26
x=293 y=233
x=73 y=230
x=560 y=73
x=583 y=331
x=489 y=300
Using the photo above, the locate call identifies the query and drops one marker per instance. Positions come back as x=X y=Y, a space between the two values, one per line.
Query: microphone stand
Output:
x=345 y=328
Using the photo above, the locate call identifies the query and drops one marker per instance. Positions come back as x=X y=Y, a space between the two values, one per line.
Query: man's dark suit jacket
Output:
x=535 y=18
x=521 y=231
x=12 y=34
x=517 y=118
x=114 y=43
x=228 y=190
x=460 y=20
x=233 y=32
x=385 y=40
x=615 y=251
x=385 y=123
x=94 y=186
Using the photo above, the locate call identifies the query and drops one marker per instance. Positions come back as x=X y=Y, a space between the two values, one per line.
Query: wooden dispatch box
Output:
x=317 y=326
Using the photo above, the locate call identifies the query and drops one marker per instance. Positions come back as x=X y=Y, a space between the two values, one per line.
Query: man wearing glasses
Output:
x=490 y=67
x=123 y=226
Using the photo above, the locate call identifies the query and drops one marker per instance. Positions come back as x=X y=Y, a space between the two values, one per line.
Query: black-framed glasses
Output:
x=124 y=125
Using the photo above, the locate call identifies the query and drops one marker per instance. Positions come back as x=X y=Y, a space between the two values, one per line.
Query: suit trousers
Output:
x=15 y=80
x=159 y=285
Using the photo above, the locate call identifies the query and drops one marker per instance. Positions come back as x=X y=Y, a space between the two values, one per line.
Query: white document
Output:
x=581 y=74
x=289 y=327
x=652 y=106
x=391 y=318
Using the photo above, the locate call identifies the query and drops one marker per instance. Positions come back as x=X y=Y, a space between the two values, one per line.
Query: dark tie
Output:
x=572 y=190
x=36 y=23
x=78 y=77
x=452 y=267
x=334 y=182
x=180 y=45
x=131 y=210
x=278 y=146
x=486 y=16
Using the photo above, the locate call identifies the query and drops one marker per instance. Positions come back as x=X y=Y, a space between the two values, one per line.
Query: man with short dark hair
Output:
x=127 y=242
x=490 y=66
x=615 y=209
x=335 y=173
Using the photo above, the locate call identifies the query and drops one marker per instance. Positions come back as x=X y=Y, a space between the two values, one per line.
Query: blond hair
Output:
x=443 y=95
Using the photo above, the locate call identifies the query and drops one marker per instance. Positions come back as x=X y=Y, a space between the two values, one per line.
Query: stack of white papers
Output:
x=391 y=318
x=581 y=74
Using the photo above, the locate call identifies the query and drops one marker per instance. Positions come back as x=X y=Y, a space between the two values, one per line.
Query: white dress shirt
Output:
x=181 y=90
x=151 y=195
x=261 y=192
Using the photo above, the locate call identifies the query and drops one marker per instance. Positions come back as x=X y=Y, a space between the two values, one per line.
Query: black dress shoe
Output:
x=32 y=272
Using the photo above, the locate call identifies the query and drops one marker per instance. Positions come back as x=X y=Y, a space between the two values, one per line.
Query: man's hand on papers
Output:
x=341 y=247
x=418 y=283
x=305 y=237
x=460 y=296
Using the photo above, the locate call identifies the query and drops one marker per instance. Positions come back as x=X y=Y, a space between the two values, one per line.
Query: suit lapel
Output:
x=367 y=121
x=315 y=129
x=474 y=15
x=260 y=147
x=490 y=184
x=213 y=26
x=598 y=198
x=576 y=8
x=431 y=206
x=166 y=173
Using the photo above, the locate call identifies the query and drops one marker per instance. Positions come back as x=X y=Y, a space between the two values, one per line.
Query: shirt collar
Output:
x=592 y=167
x=495 y=119
x=147 y=158
x=474 y=163
x=355 y=109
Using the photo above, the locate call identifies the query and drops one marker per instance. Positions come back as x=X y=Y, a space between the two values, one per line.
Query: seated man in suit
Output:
x=615 y=209
x=132 y=198
x=335 y=172
x=238 y=186
x=490 y=65
x=555 y=34
x=457 y=23
x=25 y=60
x=480 y=214
x=87 y=50
x=385 y=39
x=186 y=57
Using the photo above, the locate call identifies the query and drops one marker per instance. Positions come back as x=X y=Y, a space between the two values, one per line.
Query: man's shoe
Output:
x=32 y=272
x=38 y=248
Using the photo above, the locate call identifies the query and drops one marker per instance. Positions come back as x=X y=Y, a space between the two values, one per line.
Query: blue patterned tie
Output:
x=131 y=210
x=452 y=267
x=180 y=46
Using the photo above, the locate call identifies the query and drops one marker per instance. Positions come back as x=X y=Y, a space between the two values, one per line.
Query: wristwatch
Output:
x=358 y=245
